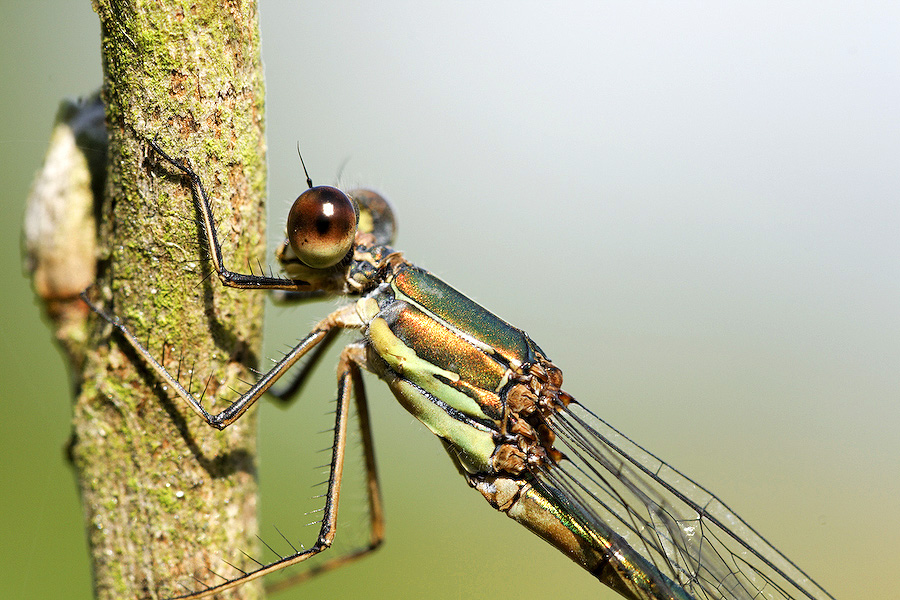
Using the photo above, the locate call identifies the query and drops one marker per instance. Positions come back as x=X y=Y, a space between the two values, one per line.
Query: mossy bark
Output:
x=166 y=497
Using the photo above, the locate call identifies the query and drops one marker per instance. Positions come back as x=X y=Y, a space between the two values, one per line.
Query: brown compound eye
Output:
x=321 y=226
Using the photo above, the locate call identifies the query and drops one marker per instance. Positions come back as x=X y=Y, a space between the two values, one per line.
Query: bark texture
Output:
x=167 y=498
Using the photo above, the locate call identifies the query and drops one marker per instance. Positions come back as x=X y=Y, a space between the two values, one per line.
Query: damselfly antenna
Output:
x=302 y=164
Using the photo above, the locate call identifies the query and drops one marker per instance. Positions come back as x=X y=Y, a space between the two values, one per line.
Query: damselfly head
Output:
x=323 y=223
x=326 y=227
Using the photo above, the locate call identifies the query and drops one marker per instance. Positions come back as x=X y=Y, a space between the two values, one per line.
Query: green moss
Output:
x=165 y=497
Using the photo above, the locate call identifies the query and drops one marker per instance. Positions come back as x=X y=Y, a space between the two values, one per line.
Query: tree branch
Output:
x=165 y=495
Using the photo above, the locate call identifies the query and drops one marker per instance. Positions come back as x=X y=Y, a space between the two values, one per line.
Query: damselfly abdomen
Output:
x=494 y=399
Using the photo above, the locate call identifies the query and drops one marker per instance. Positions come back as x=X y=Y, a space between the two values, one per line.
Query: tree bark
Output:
x=166 y=497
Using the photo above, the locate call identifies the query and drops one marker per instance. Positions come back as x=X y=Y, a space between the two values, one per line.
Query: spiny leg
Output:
x=348 y=378
x=345 y=317
x=351 y=358
x=292 y=390
x=229 y=278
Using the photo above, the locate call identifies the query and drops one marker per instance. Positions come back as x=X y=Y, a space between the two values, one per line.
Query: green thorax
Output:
x=449 y=361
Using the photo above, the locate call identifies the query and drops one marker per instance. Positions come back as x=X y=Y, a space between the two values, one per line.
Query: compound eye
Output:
x=321 y=226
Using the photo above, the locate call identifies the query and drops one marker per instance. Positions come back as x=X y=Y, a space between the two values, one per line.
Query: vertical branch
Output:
x=165 y=497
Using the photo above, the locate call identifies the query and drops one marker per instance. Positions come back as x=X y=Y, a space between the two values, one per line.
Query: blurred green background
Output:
x=692 y=208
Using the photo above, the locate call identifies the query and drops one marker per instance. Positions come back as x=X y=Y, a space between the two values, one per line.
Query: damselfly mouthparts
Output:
x=495 y=401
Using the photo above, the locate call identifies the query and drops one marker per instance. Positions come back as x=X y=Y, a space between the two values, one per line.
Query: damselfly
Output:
x=494 y=399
